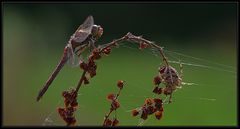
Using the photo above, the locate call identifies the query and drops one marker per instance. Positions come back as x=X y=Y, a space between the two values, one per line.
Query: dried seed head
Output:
x=70 y=120
x=61 y=112
x=143 y=45
x=157 y=90
x=149 y=101
x=120 y=84
x=83 y=66
x=135 y=112
x=158 y=115
x=111 y=97
x=144 y=113
x=162 y=69
x=74 y=103
x=167 y=90
x=115 y=122
x=157 y=80
x=107 y=51
x=95 y=54
x=151 y=110
x=158 y=103
x=108 y=122
x=115 y=105
x=66 y=102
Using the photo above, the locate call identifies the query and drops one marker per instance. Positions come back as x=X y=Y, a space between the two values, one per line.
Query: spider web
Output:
x=190 y=62
x=174 y=58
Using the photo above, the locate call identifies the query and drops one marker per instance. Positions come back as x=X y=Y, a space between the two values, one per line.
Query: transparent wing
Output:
x=73 y=59
x=84 y=30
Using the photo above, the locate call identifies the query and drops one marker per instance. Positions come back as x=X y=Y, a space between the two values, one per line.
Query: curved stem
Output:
x=136 y=39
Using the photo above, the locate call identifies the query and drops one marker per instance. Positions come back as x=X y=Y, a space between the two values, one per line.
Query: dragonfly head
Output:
x=97 y=31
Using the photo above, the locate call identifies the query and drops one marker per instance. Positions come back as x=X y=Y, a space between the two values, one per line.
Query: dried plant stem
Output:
x=106 y=116
x=111 y=110
x=136 y=39
x=81 y=80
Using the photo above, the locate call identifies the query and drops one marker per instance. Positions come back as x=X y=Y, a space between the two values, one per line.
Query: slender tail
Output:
x=54 y=74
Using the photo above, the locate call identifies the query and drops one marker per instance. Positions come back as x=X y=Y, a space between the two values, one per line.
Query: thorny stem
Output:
x=136 y=39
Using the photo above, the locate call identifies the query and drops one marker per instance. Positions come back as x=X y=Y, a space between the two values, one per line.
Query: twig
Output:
x=136 y=39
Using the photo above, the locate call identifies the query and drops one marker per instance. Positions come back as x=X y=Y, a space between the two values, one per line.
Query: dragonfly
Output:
x=84 y=37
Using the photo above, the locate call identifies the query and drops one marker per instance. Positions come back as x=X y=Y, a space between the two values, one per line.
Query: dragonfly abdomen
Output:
x=54 y=74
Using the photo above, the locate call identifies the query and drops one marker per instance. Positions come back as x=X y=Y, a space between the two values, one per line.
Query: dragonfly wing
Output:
x=84 y=30
x=74 y=59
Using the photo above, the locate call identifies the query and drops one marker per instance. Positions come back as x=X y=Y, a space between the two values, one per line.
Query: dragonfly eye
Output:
x=97 y=31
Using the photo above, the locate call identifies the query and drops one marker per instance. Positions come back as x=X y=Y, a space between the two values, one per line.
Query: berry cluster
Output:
x=70 y=106
x=151 y=105
x=114 y=106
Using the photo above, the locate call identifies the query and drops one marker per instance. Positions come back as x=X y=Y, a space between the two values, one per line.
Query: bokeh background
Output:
x=34 y=36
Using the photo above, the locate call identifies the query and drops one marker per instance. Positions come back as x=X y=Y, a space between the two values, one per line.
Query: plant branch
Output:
x=136 y=39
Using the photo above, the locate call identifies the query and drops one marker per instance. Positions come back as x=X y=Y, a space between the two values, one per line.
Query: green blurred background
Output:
x=34 y=36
